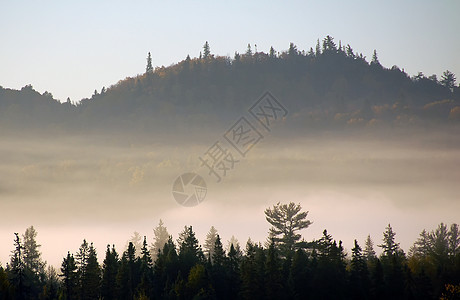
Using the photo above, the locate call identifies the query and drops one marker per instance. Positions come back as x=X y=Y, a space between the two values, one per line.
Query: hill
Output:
x=330 y=87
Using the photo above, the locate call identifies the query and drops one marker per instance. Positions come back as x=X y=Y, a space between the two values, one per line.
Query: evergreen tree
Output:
x=109 y=273
x=286 y=221
x=273 y=281
x=70 y=277
x=448 y=79
x=249 y=51
x=210 y=242
x=190 y=252
x=146 y=272
x=368 y=252
x=318 y=49
x=389 y=246
x=206 y=50
x=292 y=52
x=375 y=60
x=349 y=51
x=378 y=281
x=51 y=285
x=218 y=274
x=136 y=240
x=249 y=277
x=359 y=274
x=91 y=277
x=299 y=277
x=233 y=262
x=16 y=270
x=32 y=255
x=272 y=53
x=454 y=240
x=161 y=237
x=149 y=67
x=128 y=276
x=329 y=45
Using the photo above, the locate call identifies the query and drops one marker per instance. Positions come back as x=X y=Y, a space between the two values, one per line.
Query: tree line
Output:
x=328 y=85
x=285 y=266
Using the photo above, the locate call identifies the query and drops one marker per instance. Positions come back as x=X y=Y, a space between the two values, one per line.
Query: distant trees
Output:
x=330 y=77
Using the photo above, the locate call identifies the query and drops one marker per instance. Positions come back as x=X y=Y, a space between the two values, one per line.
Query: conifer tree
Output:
x=70 y=276
x=206 y=50
x=161 y=237
x=149 y=67
x=287 y=220
x=210 y=242
x=109 y=273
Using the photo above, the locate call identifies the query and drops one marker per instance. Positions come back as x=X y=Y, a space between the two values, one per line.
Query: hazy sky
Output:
x=71 y=49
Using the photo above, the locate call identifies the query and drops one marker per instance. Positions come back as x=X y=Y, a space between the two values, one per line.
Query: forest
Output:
x=285 y=266
x=330 y=85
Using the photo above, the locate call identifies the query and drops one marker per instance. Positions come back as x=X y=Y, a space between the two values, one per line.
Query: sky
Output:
x=71 y=48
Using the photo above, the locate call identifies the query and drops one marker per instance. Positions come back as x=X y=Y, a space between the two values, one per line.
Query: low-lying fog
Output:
x=104 y=188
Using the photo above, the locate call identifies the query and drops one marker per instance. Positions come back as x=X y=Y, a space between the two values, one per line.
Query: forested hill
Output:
x=329 y=85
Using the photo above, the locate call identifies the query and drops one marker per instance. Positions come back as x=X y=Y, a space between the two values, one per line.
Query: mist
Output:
x=105 y=187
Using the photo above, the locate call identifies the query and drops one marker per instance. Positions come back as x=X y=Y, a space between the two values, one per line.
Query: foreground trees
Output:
x=284 y=268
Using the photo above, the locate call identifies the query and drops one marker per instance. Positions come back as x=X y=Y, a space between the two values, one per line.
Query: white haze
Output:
x=105 y=188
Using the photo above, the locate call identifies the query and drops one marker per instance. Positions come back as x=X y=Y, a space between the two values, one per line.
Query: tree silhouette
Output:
x=287 y=220
x=149 y=67
x=206 y=50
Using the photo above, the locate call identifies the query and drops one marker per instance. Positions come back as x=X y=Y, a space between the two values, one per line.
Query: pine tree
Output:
x=286 y=221
x=329 y=45
x=272 y=53
x=454 y=240
x=91 y=279
x=32 y=255
x=369 y=253
x=273 y=284
x=318 y=49
x=249 y=51
x=299 y=276
x=161 y=237
x=389 y=246
x=70 y=277
x=218 y=256
x=375 y=60
x=109 y=273
x=359 y=274
x=17 y=270
x=292 y=52
x=206 y=50
x=448 y=79
x=210 y=242
x=233 y=262
x=136 y=240
x=190 y=252
x=145 y=287
x=149 y=67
